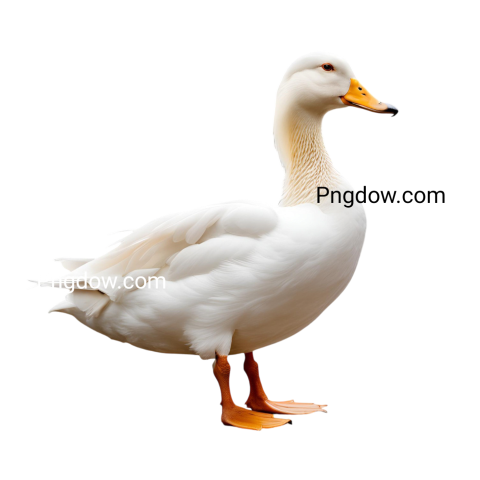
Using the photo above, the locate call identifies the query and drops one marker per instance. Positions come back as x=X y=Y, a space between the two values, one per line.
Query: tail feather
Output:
x=82 y=304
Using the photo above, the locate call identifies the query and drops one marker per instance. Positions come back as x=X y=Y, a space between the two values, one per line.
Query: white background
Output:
x=114 y=113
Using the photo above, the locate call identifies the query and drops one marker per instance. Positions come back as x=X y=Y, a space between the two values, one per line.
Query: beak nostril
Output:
x=364 y=94
x=360 y=88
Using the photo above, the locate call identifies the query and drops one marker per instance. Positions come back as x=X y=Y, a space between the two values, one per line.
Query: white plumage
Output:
x=238 y=276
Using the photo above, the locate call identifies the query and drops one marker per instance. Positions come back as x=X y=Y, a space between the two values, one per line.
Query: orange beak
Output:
x=358 y=96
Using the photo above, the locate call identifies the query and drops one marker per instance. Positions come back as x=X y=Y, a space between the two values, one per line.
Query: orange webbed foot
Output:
x=259 y=402
x=236 y=416
x=242 y=418
x=289 y=407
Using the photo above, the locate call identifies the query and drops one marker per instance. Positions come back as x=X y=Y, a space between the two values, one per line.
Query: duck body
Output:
x=237 y=277
x=229 y=293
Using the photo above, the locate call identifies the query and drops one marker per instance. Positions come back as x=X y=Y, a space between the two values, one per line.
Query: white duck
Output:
x=239 y=276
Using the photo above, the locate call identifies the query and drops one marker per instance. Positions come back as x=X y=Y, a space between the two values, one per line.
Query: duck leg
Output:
x=259 y=402
x=237 y=416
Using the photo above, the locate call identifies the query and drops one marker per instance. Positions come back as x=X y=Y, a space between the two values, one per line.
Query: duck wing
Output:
x=176 y=247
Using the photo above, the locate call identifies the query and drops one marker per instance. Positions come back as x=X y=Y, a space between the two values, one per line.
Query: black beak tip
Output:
x=391 y=109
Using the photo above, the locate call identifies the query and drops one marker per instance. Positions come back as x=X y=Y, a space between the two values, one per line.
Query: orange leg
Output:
x=259 y=401
x=237 y=416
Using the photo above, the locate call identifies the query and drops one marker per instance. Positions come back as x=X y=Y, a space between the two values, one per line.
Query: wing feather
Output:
x=186 y=244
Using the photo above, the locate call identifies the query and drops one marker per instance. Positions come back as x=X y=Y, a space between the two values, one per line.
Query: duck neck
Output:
x=306 y=161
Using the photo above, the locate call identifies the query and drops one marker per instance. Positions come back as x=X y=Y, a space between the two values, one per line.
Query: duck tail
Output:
x=82 y=304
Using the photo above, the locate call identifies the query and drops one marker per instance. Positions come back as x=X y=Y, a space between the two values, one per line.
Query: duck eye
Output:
x=328 y=67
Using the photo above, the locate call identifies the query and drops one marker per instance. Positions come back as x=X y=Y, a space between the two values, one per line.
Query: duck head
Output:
x=311 y=87
x=319 y=83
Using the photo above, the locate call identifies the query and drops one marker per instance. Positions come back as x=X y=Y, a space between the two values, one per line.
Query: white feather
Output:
x=238 y=276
